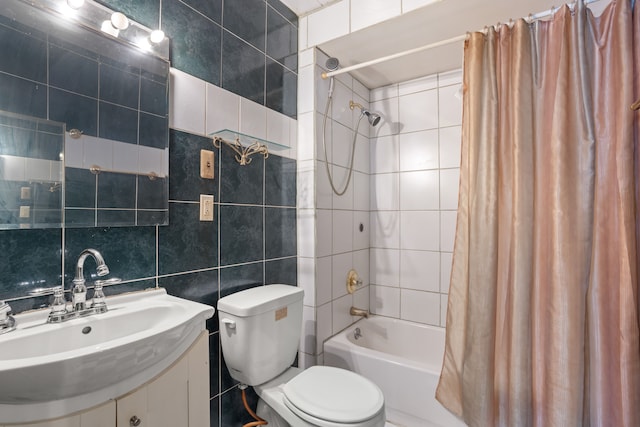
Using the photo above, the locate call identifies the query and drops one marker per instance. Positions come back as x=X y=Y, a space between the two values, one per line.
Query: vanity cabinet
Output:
x=177 y=397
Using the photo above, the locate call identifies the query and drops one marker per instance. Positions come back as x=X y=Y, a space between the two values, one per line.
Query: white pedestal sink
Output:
x=50 y=370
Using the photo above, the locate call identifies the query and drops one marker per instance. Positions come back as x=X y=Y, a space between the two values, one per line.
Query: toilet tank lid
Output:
x=260 y=299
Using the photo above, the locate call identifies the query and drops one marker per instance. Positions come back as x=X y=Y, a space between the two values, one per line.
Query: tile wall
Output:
x=248 y=47
x=252 y=239
x=415 y=168
x=347 y=16
x=330 y=238
x=403 y=192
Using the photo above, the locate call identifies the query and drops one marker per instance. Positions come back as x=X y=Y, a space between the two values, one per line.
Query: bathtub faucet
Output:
x=359 y=312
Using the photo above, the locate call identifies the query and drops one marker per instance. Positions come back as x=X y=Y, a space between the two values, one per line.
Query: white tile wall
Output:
x=385 y=301
x=306 y=279
x=385 y=192
x=412 y=241
x=340 y=266
x=403 y=191
x=369 y=12
x=449 y=181
x=418 y=85
x=385 y=154
x=308 y=335
x=342 y=231
x=324 y=238
x=385 y=229
x=325 y=324
x=420 y=230
x=385 y=267
x=187 y=102
x=223 y=109
x=328 y=23
x=419 y=190
x=449 y=105
x=450 y=139
x=323 y=280
x=420 y=270
x=422 y=307
x=419 y=150
x=447 y=230
x=306 y=233
x=409 y=5
x=444 y=300
x=418 y=111
x=253 y=118
x=340 y=313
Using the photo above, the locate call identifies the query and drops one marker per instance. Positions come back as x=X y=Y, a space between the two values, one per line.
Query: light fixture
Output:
x=119 y=21
x=108 y=28
x=156 y=36
x=75 y=4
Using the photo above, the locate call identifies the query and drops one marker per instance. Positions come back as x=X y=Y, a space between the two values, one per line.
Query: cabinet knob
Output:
x=135 y=421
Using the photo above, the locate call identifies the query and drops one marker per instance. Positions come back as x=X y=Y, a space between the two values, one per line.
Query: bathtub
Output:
x=404 y=360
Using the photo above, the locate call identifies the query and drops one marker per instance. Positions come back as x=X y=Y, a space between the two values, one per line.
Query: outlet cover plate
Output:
x=206 y=207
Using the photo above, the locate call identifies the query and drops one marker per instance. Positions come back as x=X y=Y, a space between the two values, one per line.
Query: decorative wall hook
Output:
x=243 y=154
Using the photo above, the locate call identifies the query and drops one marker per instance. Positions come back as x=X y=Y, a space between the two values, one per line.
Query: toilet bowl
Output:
x=322 y=396
x=259 y=331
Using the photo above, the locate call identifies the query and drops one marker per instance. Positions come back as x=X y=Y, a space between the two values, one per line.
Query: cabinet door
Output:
x=102 y=416
x=168 y=404
x=199 y=382
x=132 y=405
x=161 y=403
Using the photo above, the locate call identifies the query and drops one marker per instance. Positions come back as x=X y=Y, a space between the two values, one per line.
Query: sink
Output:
x=51 y=370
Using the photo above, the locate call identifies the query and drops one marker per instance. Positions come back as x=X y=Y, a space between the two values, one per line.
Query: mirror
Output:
x=84 y=129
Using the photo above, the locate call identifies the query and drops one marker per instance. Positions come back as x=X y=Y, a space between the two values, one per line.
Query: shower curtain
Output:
x=542 y=321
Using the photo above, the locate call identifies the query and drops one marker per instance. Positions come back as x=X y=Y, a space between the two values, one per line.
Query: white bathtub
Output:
x=403 y=359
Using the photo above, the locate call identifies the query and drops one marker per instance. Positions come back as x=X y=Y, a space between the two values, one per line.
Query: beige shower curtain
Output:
x=542 y=322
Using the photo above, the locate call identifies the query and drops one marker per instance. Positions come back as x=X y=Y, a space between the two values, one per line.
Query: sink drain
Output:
x=86 y=330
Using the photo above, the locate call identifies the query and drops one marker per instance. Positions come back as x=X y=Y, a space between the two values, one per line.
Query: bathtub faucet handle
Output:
x=353 y=281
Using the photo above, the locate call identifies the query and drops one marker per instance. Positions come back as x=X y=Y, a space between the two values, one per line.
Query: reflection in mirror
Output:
x=111 y=98
x=31 y=172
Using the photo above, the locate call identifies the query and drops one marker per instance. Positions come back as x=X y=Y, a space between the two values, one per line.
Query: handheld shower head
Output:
x=373 y=118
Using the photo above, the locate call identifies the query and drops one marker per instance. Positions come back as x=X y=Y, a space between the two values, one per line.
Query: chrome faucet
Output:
x=359 y=312
x=79 y=291
x=79 y=307
x=7 y=322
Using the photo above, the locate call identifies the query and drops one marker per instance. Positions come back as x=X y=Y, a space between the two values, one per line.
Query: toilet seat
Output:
x=328 y=396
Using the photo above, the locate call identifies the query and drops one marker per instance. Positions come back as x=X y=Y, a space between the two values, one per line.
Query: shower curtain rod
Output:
x=530 y=18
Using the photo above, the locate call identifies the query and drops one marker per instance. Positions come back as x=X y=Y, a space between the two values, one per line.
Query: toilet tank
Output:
x=260 y=331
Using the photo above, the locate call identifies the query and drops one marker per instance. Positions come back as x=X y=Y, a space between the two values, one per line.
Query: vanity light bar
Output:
x=99 y=18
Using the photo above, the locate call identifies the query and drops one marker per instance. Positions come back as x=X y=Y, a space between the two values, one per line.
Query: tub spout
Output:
x=359 y=312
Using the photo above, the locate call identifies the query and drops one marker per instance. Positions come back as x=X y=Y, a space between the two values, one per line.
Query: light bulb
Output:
x=156 y=36
x=75 y=4
x=107 y=27
x=119 y=21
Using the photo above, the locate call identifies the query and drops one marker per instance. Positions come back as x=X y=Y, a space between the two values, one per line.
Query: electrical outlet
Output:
x=206 y=164
x=206 y=207
x=25 y=211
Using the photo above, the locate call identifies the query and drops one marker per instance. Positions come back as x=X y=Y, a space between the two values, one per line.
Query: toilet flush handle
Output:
x=231 y=324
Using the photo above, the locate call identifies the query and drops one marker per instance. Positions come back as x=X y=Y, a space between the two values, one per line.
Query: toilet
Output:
x=260 y=331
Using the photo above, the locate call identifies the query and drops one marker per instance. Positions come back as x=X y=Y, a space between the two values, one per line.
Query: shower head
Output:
x=332 y=64
x=373 y=118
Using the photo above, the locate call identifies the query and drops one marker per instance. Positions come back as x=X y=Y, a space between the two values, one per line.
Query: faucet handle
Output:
x=59 y=304
x=98 y=296
x=5 y=311
x=7 y=322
